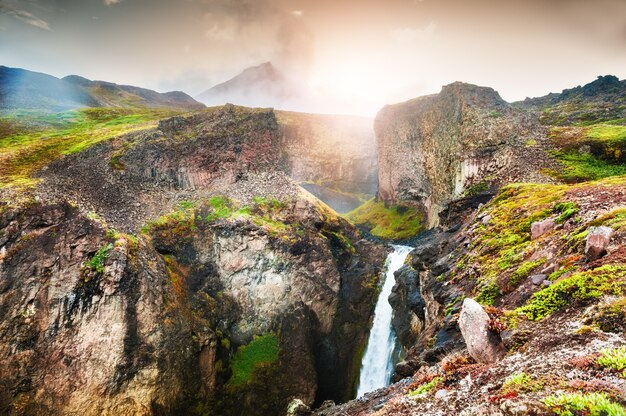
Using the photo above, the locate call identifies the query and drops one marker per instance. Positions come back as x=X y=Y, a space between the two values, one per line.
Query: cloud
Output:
x=24 y=16
x=111 y=2
x=280 y=32
x=411 y=34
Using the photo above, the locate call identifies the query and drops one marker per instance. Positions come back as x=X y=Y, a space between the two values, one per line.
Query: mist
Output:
x=348 y=57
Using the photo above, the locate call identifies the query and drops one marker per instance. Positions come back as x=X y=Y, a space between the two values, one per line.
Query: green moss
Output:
x=610 y=134
x=96 y=263
x=566 y=210
x=611 y=316
x=615 y=219
x=261 y=351
x=521 y=382
x=476 y=189
x=524 y=271
x=489 y=294
x=585 y=167
x=426 y=387
x=593 y=404
x=581 y=287
x=613 y=359
x=395 y=222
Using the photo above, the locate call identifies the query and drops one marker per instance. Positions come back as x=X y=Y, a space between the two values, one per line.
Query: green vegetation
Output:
x=615 y=219
x=96 y=263
x=521 y=382
x=176 y=228
x=585 y=167
x=606 y=133
x=614 y=359
x=566 y=210
x=395 y=222
x=611 y=316
x=489 y=294
x=593 y=404
x=609 y=142
x=37 y=138
x=261 y=351
x=500 y=249
x=581 y=288
x=524 y=271
x=426 y=387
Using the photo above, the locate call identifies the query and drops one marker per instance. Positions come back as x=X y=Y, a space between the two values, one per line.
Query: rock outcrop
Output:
x=434 y=148
x=483 y=344
x=232 y=292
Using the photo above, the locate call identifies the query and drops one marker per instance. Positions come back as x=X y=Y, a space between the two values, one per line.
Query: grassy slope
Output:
x=393 y=223
x=609 y=140
x=502 y=256
x=30 y=140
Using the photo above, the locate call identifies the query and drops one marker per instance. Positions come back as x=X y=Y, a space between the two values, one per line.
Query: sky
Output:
x=354 y=55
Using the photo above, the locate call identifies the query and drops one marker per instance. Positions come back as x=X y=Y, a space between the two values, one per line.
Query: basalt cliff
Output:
x=434 y=148
x=179 y=270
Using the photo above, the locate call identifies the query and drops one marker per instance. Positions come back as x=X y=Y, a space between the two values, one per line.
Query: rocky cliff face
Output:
x=332 y=156
x=186 y=273
x=434 y=148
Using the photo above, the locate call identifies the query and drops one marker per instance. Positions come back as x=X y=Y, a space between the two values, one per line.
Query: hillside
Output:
x=21 y=89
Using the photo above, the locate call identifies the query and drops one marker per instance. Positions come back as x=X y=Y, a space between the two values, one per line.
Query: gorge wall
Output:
x=434 y=148
x=179 y=270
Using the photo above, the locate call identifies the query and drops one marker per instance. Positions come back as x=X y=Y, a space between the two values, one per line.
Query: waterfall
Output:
x=377 y=365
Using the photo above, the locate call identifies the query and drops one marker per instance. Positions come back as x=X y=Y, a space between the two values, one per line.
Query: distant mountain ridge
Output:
x=259 y=86
x=20 y=88
x=603 y=99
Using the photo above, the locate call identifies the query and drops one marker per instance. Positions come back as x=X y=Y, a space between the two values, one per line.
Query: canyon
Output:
x=196 y=262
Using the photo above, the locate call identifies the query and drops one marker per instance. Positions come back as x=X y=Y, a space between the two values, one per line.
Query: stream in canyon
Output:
x=377 y=365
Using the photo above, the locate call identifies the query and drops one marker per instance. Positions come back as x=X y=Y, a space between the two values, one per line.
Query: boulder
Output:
x=539 y=228
x=484 y=345
x=538 y=278
x=298 y=408
x=597 y=241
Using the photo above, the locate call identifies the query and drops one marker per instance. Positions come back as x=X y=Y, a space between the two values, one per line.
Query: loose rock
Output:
x=597 y=241
x=537 y=229
x=484 y=345
x=538 y=278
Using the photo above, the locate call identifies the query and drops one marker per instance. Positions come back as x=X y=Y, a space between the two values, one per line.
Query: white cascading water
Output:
x=377 y=365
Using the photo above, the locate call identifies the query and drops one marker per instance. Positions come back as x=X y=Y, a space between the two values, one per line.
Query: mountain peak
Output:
x=257 y=86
